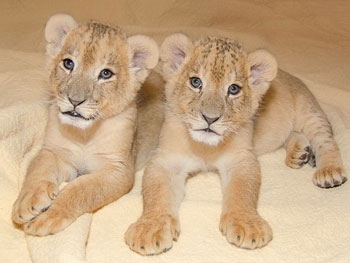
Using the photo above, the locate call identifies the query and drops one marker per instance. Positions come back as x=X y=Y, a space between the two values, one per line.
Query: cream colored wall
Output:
x=307 y=37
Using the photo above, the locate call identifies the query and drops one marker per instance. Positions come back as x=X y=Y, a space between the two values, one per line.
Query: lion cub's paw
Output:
x=248 y=232
x=329 y=176
x=298 y=157
x=49 y=222
x=298 y=150
x=151 y=236
x=33 y=200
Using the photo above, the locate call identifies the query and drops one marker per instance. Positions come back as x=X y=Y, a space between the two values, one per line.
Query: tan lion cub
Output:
x=96 y=73
x=214 y=90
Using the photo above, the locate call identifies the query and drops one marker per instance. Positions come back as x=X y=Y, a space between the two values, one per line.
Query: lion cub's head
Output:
x=213 y=85
x=95 y=69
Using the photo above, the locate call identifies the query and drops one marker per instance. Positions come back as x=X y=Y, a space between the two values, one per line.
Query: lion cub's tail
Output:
x=150 y=116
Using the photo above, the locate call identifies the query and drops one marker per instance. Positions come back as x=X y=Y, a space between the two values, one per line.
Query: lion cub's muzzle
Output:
x=74 y=112
x=209 y=121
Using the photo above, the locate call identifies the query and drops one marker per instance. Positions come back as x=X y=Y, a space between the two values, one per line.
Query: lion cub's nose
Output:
x=76 y=102
x=210 y=120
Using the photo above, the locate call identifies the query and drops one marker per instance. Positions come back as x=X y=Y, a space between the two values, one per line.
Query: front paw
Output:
x=248 y=232
x=33 y=200
x=329 y=176
x=49 y=222
x=151 y=236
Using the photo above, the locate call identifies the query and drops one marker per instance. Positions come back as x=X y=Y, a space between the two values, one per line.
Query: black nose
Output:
x=210 y=120
x=76 y=102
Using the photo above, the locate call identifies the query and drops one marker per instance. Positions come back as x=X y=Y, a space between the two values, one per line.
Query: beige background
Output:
x=310 y=39
x=304 y=35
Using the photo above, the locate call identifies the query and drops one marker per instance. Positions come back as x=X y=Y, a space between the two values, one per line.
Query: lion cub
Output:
x=213 y=92
x=95 y=74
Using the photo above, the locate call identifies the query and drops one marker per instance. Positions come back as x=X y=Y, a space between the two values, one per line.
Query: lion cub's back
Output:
x=278 y=111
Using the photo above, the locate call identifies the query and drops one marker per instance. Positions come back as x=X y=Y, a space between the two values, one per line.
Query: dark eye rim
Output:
x=196 y=86
x=67 y=66
x=236 y=92
x=101 y=76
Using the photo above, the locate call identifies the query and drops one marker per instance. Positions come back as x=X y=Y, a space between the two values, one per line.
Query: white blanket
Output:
x=310 y=224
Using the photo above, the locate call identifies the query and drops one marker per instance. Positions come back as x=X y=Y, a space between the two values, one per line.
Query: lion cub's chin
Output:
x=209 y=138
x=75 y=121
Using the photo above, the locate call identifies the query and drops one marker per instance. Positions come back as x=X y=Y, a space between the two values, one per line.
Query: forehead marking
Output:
x=224 y=53
x=94 y=37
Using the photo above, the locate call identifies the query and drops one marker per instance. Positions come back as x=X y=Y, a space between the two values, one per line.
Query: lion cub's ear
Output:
x=144 y=53
x=262 y=68
x=174 y=50
x=57 y=28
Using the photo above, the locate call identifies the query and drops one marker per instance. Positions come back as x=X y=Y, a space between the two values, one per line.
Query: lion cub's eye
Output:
x=234 y=89
x=196 y=83
x=68 y=64
x=105 y=74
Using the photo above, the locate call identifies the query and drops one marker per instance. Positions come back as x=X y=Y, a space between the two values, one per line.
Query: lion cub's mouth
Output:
x=206 y=135
x=75 y=114
x=208 y=130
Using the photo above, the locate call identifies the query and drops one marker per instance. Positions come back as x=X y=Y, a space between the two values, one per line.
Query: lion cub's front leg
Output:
x=240 y=221
x=40 y=187
x=84 y=194
x=157 y=228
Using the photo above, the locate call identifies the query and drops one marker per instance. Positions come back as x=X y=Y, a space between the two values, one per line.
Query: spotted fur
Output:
x=211 y=127
x=206 y=129
x=95 y=74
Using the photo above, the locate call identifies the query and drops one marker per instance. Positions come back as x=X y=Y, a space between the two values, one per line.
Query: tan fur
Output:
x=95 y=151
x=150 y=116
x=290 y=116
x=212 y=129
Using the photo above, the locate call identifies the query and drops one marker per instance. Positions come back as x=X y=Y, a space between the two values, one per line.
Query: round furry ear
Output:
x=57 y=27
x=173 y=52
x=262 y=67
x=144 y=55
